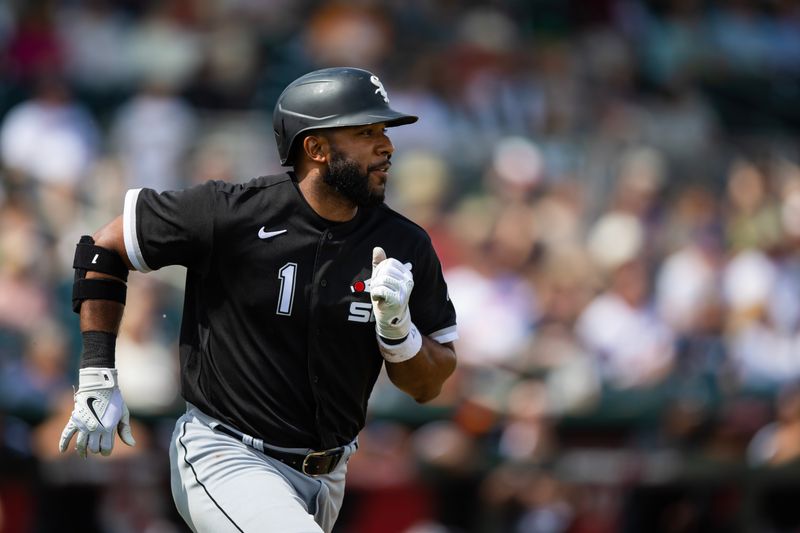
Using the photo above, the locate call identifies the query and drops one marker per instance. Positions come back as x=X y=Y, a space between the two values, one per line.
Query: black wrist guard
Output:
x=97 y=259
x=98 y=349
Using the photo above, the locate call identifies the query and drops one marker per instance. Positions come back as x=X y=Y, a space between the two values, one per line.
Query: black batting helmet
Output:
x=331 y=98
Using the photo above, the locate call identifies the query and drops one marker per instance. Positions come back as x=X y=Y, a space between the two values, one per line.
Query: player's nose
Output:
x=385 y=147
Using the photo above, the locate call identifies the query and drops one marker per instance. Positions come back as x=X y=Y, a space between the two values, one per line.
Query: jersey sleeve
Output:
x=431 y=309
x=169 y=228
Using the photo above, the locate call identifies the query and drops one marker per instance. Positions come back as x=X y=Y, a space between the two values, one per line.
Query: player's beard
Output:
x=346 y=177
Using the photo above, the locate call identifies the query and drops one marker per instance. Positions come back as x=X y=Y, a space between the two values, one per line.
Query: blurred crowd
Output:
x=613 y=188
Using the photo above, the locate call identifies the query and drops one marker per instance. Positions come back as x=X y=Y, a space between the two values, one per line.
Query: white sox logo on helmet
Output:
x=380 y=90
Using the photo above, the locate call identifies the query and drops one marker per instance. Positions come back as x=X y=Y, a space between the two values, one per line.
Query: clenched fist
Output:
x=392 y=283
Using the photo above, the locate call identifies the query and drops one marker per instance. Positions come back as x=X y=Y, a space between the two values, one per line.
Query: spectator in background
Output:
x=527 y=434
x=331 y=34
x=753 y=218
x=632 y=346
x=763 y=345
x=33 y=49
x=639 y=184
x=741 y=34
x=49 y=143
x=687 y=289
x=32 y=384
x=761 y=280
x=688 y=298
x=525 y=498
x=96 y=38
x=778 y=442
x=421 y=192
x=565 y=283
x=497 y=301
x=50 y=138
x=342 y=34
x=674 y=43
x=152 y=133
x=494 y=95
x=23 y=272
x=227 y=76
x=164 y=47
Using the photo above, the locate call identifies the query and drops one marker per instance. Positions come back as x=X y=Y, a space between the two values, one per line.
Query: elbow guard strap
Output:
x=97 y=259
x=88 y=256
x=97 y=289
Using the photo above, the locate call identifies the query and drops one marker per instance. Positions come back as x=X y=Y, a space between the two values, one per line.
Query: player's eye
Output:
x=373 y=130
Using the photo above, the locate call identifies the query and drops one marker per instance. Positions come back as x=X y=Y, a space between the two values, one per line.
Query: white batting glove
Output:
x=390 y=290
x=99 y=412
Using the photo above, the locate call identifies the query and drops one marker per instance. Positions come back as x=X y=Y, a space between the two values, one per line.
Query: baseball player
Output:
x=299 y=288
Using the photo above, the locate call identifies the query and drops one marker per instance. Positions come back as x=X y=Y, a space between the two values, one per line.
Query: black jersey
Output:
x=278 y=336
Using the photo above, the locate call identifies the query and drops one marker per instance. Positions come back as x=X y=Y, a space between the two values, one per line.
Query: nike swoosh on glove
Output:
x=390 y=291
x=99 y=412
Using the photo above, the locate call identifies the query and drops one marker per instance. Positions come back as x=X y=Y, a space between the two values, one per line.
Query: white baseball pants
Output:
x=220 y=484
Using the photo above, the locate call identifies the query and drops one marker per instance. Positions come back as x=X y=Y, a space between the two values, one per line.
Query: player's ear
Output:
x=316 y=147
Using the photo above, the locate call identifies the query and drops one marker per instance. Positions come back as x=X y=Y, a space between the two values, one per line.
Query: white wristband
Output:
x=397 y=353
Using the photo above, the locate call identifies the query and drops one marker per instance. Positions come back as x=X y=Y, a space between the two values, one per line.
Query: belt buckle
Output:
x=323 y=453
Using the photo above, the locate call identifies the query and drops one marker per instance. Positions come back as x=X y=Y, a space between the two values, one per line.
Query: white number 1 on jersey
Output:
x=287 y=275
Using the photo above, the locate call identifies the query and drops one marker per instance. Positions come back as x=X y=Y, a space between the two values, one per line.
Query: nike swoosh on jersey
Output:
x=90 y=402
x=263 y=234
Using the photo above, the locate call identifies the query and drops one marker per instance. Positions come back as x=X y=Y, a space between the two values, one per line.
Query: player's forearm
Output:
x=98 y=295
x=423 y=375
x=101 y=315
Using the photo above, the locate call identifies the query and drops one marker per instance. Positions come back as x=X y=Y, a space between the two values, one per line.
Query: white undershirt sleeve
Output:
x=129 y=232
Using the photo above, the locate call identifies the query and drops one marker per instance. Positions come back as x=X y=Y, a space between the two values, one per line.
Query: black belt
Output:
x=312 y=464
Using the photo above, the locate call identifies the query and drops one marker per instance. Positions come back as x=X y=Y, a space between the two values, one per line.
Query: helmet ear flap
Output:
x=280 y=138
